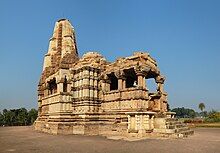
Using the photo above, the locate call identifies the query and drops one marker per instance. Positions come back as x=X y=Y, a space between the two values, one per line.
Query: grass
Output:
x=208 y=125
x=199 y=123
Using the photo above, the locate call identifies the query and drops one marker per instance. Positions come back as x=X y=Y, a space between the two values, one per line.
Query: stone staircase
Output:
x=178 y=127
x=172 y=127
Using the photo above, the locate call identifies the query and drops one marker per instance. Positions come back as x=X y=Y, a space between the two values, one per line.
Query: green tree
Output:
x=32 y=116
x=1 y=119
x=184 y=112
x=22 y=116
x=202 y=106
x=9 y=117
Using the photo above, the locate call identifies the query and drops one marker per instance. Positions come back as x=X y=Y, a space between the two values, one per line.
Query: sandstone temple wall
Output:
x=90 y=95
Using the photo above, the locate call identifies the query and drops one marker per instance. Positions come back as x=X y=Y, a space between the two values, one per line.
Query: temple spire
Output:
x=62 y=46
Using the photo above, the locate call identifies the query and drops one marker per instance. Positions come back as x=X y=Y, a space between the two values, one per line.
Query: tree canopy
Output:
x=184 y=112
x=17 y=117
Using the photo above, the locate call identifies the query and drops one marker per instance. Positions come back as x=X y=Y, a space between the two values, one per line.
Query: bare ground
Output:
x=26 y=140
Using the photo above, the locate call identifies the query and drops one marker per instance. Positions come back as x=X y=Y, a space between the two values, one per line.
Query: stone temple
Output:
x=92 y=96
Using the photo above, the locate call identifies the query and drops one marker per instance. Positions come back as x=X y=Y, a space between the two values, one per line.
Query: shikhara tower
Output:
x=90 y=95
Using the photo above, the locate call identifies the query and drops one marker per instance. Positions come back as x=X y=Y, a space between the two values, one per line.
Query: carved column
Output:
x=103 y=86
x=76 y=85
x=160 y=83
x=68 y=85
x=59 y=82
x=121 y=79
x=95 y=84
x=120 y=85
x=123 y=84
x=80 y=84
x=144 y=83
x=141 y=72
x=91 y=84
x=46 y=91
x=105 y=83
x=85 y=82
x=140 y=80
x=160 y=87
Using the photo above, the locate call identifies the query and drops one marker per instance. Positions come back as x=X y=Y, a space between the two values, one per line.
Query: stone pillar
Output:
x=123 y=84
x=107 y=86
x=86 y=82
x=80 y=84
x=141 y=121
x=141 y=72
x=160 y=83
x=121 y=79
x=160 y=87
x=91 y=84
x=95 y=84
x=68 y=86
x=137 y=117
x=144 y=83
x=46 y=91
x=147 y=122
x=120 y=84
x=75 y=84
x=152 y=122
x=142 y=126
x=140 y=80
x=85 y=77
x=95 y=89
x=129 y=123
x=103 y=85
x=60 y=87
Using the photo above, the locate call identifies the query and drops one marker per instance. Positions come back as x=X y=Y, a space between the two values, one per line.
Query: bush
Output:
x=213 y=117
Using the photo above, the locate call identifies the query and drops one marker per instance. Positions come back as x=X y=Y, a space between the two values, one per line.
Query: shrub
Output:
x=213 y=117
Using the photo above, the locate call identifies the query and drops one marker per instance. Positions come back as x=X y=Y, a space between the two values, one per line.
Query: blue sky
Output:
x=183 y=36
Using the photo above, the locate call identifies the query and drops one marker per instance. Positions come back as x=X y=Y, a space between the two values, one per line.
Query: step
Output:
x=170 y=126
x=181 y=129
x=171 y=119
x=173 y=122
x=185 y=133
x=181 y=125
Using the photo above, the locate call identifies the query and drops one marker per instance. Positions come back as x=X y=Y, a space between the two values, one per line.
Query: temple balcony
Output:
x=126 y=94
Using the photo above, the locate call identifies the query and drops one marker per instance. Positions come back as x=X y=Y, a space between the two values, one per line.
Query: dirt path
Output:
x=26 y=140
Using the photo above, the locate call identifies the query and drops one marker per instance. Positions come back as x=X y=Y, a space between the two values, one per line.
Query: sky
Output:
x=183 y=36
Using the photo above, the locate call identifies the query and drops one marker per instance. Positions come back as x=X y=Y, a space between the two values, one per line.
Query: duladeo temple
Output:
x=90 y=96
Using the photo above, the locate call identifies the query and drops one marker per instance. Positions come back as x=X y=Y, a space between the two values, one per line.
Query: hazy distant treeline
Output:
x=210 y=116
x=18 y=117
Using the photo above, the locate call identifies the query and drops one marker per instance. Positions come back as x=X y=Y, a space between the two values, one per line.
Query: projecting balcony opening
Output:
x=113 y=81
x=130 y=78
x=151 y=85
x=65 y=85
x=52 y=86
